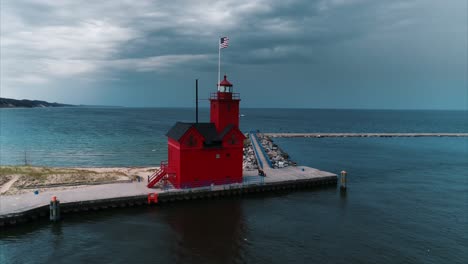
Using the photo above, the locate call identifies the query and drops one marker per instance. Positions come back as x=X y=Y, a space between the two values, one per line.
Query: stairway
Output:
x=157 y=175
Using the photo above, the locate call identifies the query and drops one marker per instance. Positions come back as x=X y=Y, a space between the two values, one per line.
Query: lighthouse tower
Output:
x=224 y=106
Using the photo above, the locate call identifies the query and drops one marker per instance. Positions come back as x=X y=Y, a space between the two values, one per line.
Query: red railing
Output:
x=158 y=174
x=226 y=96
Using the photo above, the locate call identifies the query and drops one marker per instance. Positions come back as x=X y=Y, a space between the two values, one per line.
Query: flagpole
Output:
x=219 y=63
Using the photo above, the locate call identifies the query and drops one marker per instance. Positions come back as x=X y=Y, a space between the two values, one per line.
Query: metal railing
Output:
x=158 y=172
x=267 y=158
x=259 y=161
x=223 y=183
x=262 y=149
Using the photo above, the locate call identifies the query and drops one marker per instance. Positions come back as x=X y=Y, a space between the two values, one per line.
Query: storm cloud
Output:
x=290 y=53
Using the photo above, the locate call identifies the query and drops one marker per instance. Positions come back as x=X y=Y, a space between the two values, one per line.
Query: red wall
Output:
x=194 y=165
x=202 y=167
x=173 y=153
x=224 y=112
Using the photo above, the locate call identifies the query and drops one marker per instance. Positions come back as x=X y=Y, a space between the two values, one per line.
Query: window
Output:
x=192 y=141
x=233 y=139
x=218 y=156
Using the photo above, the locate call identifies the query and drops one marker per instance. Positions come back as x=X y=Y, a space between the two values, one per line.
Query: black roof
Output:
x=178 y=130
x=208 y=131
x=225 y=131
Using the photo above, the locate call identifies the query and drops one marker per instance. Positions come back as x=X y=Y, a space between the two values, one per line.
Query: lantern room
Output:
x=225 y=86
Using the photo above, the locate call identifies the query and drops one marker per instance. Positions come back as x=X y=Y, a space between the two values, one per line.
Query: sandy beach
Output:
x=23 y=179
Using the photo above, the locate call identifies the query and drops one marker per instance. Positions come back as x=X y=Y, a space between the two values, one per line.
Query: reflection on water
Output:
x=211 y=231
x=200 y=231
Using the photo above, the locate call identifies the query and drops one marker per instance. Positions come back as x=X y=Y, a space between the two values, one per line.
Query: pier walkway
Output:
x=27 y=201
x=322 y=135
x=290 y=173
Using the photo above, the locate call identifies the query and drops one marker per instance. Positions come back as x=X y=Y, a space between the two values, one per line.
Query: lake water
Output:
x=407 y=200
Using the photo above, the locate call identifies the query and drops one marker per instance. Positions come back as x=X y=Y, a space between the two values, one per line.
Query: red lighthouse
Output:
x=224 y=106
x=201 y=154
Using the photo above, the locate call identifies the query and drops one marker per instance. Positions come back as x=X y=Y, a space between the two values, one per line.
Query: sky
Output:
x=365 y=54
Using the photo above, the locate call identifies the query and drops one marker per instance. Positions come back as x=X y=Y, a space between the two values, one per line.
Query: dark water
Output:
x=407 y=200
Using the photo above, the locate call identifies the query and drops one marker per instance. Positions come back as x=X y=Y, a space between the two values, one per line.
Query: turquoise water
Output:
x=135 y=136
x=407 y=200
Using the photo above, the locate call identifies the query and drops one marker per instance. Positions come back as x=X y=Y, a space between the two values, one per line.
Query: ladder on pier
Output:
x=157 y=175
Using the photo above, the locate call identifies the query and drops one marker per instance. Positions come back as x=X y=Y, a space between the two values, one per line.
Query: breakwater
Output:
x=276 y=157
x=323 y=135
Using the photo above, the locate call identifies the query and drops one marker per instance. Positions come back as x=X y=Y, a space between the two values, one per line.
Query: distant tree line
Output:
x=7 y=103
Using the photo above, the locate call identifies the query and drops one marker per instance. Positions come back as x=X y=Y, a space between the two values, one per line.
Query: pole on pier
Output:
x=196 y=101
x=343 y=180
x=54 y=209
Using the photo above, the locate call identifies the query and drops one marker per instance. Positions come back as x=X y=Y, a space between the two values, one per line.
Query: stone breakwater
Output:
x=324 y=135
x=250 y=161
x=278 y=157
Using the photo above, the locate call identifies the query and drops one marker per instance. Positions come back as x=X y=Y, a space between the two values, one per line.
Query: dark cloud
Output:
x=45 y=43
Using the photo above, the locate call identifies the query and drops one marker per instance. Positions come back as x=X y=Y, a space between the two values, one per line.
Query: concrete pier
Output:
x=322 y=135
x=21 y=208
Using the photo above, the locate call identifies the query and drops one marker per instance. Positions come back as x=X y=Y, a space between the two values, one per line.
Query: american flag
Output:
x=224 y=42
